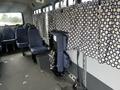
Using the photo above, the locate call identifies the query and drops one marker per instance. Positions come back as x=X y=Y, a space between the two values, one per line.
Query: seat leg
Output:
x=23 y=53
x=13 y=46
x=34 y=58
x=6 y=46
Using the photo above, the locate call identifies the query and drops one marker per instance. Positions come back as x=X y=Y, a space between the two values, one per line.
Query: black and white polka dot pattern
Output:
x=110 y=33
x=35 y=19
x=88 y=36
x=93 y=29
x=73 y=31
x=50 y=21
x=63 y=20
x=39 y=22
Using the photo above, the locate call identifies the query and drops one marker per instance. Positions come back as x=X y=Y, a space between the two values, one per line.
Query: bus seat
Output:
x=0 y=41
x=8 y=37
x=22 y=39
x=36 y=43
x=8 y=34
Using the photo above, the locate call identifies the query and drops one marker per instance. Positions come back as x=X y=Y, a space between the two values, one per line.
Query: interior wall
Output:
x=103 y=72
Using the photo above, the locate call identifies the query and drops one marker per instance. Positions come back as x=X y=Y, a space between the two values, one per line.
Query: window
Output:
x=74 y=1
x=51 y=8
x=57 y=5
x=71 y=2
x=47 y=9
x=39 y=10
x=86 y=0
x=64 y=3
x=44 y=9
x=34 y=12
x=10 y=19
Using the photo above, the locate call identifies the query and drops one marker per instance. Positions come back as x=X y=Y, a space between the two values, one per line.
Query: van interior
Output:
x=59 y=44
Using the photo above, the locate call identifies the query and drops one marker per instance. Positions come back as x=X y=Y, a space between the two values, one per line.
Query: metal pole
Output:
x=67 y=3
x=78 y=76
x=84 y=70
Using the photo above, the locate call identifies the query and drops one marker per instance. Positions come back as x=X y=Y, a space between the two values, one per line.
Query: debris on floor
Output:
x=27 y=76
x=41 y=71
x=22 y=74
x=24 y=82
x=4 y=61
x=1 y=84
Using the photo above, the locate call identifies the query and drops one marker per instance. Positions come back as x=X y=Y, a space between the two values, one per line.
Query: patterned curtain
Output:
x=93 y=29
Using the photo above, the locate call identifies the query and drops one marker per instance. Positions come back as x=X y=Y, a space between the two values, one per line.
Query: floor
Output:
x=20 y=73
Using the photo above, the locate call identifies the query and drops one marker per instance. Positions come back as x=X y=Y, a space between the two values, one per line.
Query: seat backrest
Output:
x=8 y=33
x=27 y=25
x=35 y=40
x=21 y=34
x=1 y=37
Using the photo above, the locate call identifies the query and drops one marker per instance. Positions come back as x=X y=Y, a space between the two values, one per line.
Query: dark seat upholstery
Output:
x=39 y=50
x=36 y=43
x=8 y=37
x=0 y=44
x=0 y=41
x=59 y=44
x=21 y=37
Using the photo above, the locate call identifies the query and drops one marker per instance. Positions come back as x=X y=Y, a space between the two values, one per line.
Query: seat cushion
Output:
x=39 y=50
x=22 y=45
x=9 y=41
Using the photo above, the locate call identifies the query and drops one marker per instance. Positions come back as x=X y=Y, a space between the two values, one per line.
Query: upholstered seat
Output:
x=21 y=37
x=36 y=44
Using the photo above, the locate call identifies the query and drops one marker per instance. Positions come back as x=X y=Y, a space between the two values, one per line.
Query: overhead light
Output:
x=39 y=1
